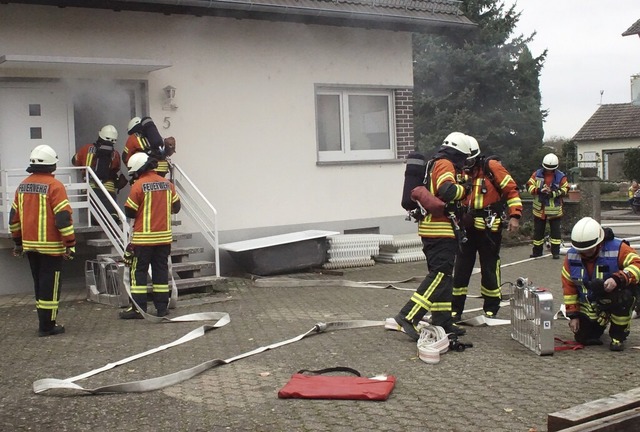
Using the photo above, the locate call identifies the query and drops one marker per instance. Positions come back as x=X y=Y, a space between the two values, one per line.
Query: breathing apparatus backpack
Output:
x=417 y=199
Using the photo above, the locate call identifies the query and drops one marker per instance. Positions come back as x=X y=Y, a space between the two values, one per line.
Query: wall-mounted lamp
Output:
x=169 y=95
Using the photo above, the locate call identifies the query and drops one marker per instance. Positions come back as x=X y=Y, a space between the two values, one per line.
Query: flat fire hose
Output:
x=46 y=384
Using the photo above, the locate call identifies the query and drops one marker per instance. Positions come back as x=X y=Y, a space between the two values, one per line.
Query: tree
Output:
x=631 y=164
x=484 y=84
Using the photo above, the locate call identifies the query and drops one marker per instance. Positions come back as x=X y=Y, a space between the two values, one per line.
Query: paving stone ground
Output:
x=498 y=385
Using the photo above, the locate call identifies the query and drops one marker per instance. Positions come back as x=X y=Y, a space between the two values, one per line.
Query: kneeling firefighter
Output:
x=436 y=194
x=151 y=202
x=599 y=279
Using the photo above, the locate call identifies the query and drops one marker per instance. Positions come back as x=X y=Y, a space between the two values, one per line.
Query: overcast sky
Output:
x=586 y=54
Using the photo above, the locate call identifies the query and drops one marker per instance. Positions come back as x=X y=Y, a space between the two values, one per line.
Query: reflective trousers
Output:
x=555 y=236
x=435 y=291
x=158 y=258
x=46 y=270
x=487 y=245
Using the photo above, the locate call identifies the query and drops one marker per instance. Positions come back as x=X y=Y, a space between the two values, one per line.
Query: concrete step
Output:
x=103 y=242
x=202 y=284
x=177 y=252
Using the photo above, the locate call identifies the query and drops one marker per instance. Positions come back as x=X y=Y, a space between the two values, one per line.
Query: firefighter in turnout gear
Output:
x=491 y=198
x=104 y=160
x=599 y=279
x=41 y=226
x=144 y=137
x=440 y=235
x=547 y=185
x=151 y=202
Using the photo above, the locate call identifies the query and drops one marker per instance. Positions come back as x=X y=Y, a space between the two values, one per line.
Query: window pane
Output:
x=369 y=123
x=34 y=110
x=329 y=123
x=35 y=133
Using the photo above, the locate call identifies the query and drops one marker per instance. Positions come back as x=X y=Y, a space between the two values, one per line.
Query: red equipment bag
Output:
x=317 y=386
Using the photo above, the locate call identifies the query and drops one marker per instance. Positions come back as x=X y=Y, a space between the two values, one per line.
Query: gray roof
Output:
x=634 y=29
x=611 y=121
x=403 y=15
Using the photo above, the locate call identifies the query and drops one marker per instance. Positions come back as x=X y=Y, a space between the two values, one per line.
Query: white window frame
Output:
x=346 y=154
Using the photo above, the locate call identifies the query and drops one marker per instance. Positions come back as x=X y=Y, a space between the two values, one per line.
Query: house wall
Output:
x=245 y=123
x=601 y=147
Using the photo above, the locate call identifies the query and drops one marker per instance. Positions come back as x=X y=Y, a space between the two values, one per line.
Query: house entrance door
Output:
x=32 y=114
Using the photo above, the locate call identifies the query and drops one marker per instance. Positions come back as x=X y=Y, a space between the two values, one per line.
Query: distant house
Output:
x=288 y=115
x=611 y=130
x=603 y=139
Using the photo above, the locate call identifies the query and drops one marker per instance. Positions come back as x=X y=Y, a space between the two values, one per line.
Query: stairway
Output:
x=187 y=274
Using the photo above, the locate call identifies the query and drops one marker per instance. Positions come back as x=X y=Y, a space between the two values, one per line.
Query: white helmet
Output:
x=137 y=161
x=109 y=133
x=586 y=233
x=133 y=123
x=474 y=147
x=550 y=162
x=43 y=155
x=458 y=141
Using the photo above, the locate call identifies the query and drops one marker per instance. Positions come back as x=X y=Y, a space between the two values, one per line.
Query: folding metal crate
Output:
x=105 y=283
x=532 y=317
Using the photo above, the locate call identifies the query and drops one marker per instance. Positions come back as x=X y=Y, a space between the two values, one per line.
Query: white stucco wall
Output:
x=245 y=125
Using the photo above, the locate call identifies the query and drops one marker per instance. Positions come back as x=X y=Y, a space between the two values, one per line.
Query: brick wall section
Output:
x=404 y=121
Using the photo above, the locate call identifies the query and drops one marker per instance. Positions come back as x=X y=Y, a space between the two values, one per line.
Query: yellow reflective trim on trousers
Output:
x=538 y=242
x=436 y=282
x=621 y=320
x=460 y=291
x=490 y=292
x=420 y=303
x=441 y=307
x=160 y=288
x=47 y=304
x=56 y=294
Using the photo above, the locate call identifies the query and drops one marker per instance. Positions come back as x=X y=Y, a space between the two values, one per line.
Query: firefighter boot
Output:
x=407 y=327
x=161 y=302
x=445 y=320
x=47 y=327
x=616 y=345
x=131 y=312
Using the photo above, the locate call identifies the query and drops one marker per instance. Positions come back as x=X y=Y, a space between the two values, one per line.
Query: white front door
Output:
x=32 y=114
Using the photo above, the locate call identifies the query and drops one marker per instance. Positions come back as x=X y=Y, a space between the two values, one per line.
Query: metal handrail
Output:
x=193 y=202
x=81 y=195
x=198 y=207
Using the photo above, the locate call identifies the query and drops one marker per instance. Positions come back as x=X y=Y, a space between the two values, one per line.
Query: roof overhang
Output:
x=82 y=65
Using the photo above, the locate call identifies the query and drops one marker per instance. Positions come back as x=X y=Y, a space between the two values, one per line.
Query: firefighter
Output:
x=144 y=137
x=151 y=202
x=599 y=279
x=104 y=160
x=41 y=226
x=547 y=185
x=492 y=195
x=438 y=230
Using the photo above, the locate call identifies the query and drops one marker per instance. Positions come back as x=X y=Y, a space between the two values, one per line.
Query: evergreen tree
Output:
x=485 y=84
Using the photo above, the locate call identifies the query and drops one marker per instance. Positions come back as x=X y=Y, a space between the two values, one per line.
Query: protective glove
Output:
x=128 y=255
x=121 y=182
x=18 y=251
x=70 y=253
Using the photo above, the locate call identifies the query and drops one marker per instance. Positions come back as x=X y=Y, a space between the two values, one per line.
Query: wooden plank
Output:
x=593 y=410
x=626 y=421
